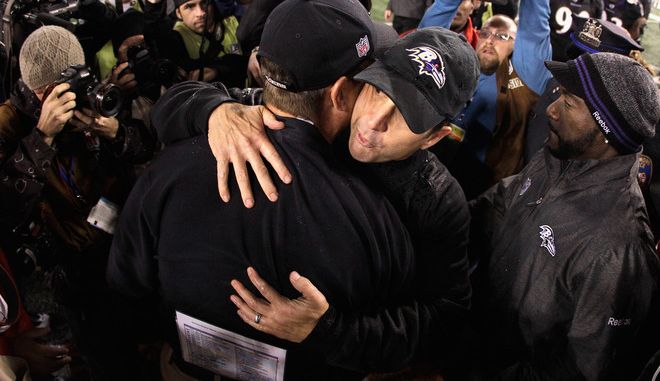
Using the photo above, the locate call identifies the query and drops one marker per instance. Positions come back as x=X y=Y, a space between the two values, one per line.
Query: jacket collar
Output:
x=586 y=173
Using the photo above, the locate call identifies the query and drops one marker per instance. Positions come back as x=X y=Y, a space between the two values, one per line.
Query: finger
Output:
x=222 y=164
x=59 y=89
x=82 y=118
x=306 y=288
x=66 y=117
x=240 y=171
x=68 y=106
x=264 y=288
x=223 y=185
x=67 y=97
x=248 y=318
x=271 y=155
x=256 y=304
x=78 y=125
x=270 y=120
x=88 y=112
x=126 y=78
x=53 y=350
x=263 y=177
x=242 y=306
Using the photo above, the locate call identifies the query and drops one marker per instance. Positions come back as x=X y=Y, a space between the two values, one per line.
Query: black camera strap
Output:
x=119 y=7
x=7 y=40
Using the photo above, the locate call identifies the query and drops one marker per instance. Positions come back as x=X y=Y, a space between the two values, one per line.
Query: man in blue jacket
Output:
x=512 y=77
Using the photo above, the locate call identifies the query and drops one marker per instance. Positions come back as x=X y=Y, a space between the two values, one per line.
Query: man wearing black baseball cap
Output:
x=444 y=70
x=408 y=97
x=178 y=245
x=427 y=77
x=572 y=275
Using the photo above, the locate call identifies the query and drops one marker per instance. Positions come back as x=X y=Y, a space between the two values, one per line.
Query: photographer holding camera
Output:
x=202 y=42
x=140 y=69
x=66 y=164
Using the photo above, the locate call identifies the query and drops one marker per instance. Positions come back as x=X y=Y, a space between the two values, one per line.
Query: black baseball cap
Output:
x=317 y=41
x=430 y=74
x=592 y=35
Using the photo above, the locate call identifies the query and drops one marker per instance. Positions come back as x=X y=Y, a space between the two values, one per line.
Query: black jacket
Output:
x=434 y=210
x=537 y=134
x=571 y=289
x=178 y=242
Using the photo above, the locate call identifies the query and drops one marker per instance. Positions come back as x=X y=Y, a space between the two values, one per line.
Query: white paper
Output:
x=227 y=353
x=104 y=216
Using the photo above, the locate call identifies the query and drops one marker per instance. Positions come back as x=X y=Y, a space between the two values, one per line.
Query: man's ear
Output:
x=341 y=94
x=436 y=136
x=178 y=14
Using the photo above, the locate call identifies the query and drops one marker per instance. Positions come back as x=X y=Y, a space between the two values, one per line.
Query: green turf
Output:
x=651 y=39
x=377 y=9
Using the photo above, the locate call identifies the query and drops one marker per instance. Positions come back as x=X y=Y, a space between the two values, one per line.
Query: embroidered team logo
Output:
x=363 y=46
x=547 y=239
x=525 y=186
x=430 y=63
x=645 y=171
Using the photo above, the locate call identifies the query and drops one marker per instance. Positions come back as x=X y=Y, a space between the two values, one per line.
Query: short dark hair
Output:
x=501 y=21
x=305 y=104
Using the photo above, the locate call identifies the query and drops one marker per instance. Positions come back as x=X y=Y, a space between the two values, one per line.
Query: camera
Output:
x=48 y=12
x=103 y=99
x=250 y=96
x=36 y=249
x=150 y=71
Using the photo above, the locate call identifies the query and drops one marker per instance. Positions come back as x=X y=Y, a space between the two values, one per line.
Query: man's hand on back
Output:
x=237 y=136
x=288 y=319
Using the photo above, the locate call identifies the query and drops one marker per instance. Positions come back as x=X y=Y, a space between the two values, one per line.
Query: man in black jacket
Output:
x=570 y=273
x=202 y=42
x=177 y=244
x=392 y=121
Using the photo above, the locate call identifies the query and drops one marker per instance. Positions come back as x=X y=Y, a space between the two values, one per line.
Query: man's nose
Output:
x=551 y=110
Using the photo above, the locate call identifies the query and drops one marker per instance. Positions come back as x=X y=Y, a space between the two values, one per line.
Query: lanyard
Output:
x=68 y=178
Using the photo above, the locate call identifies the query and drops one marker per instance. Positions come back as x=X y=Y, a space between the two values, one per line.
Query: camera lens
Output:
x=107 y=100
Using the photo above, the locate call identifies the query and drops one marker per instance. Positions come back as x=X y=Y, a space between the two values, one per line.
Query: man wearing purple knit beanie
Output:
x=571 y=272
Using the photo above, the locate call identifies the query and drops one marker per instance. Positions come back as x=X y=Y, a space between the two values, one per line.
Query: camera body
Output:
x=250 y=96
x=103 y=99
x=150 y=72
x=45 y=12
x=36 y=248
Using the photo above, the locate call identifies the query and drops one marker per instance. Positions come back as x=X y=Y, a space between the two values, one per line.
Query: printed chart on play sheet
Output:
x=227 y=353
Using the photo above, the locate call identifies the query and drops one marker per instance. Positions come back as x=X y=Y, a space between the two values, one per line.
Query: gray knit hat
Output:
x=619 y=92
x=46 y=53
